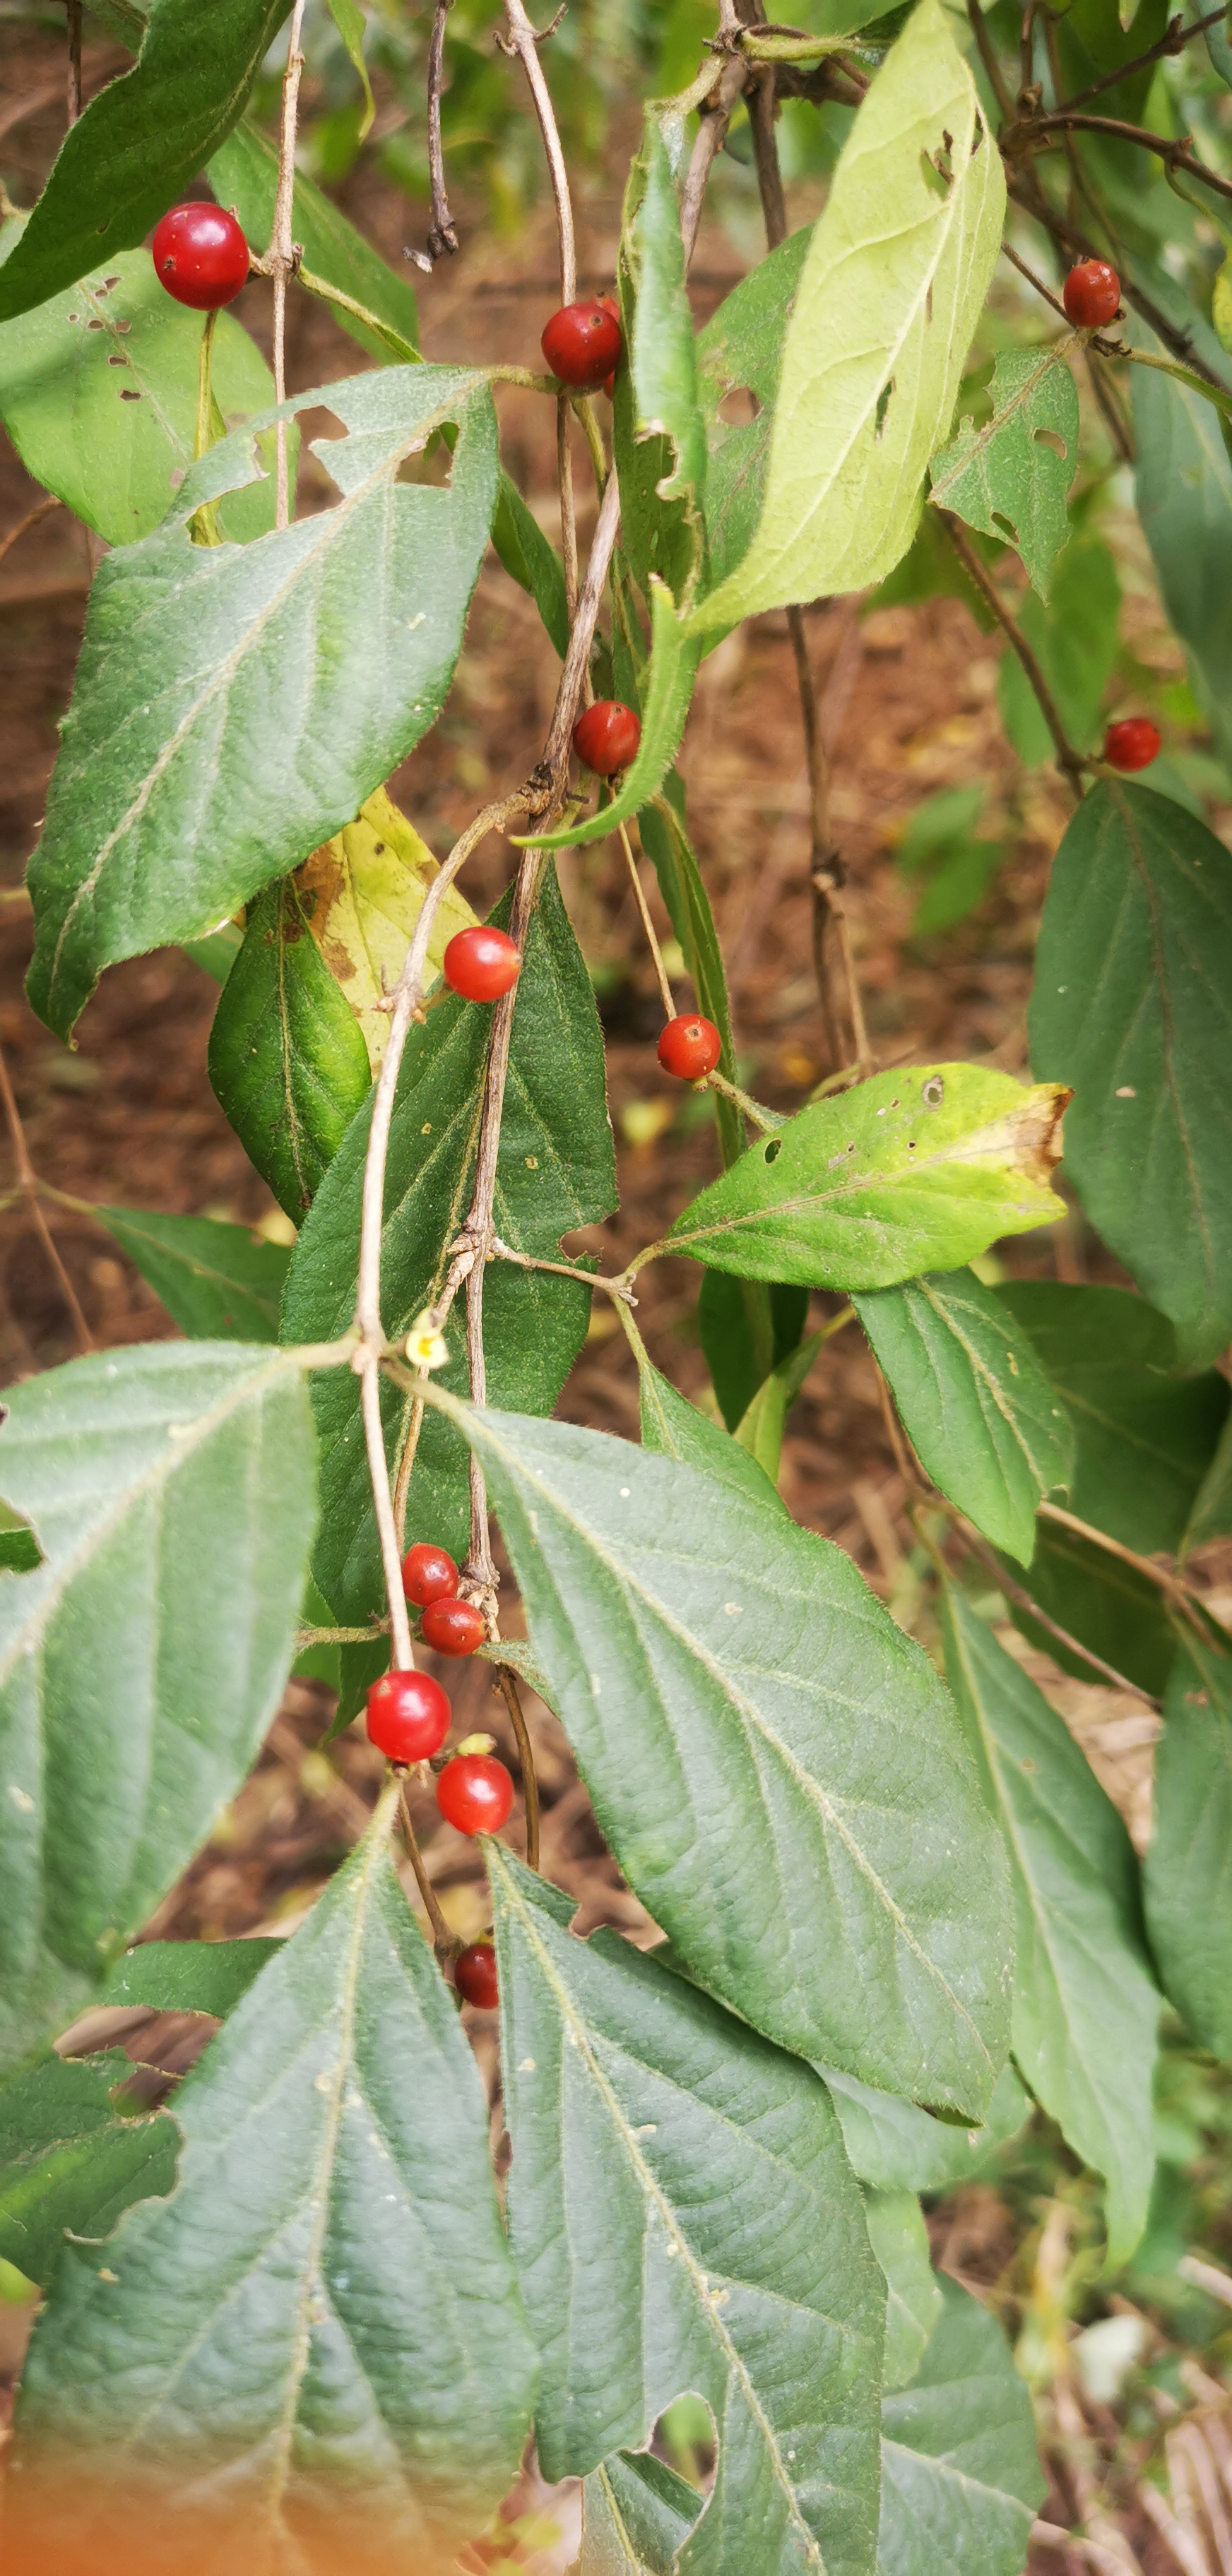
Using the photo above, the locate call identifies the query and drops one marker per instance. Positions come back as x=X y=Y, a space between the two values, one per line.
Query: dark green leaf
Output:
x=220 y=1282
x=974 y=1401
x=555 y=1170
x=674 y=1428
x=234 y=705
x=140 y=143
x=1183 y=489
x=351 y=24
x=743 y=1346
x=658 y=434
x=1133 y=1005
x=1009 y=478
x=1086 y=2006
x=189 y=1976
x=358 y=1668
x=1145 y=1437
x=332 y=2261
x=1106 y=1604
x=288 y=1061
x=899 y=2239
x=898 y=2147
x=667 y=690
x=70 y=2158
x=244 y=174
x=911 y=1171
x=1075 y=643
x=531 y=560
x=741 y=349
x=775 y=1765
x=960 y=2479
x=758 y=2291
x=1188 y=1870
x=635 y=2515
x=172 y=1491
x=1212 y=1511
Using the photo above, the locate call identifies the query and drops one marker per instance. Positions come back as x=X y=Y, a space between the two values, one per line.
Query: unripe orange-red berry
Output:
x=453 y=1627
x=1092 y=294
x=582 y=343
x=689 y=1046
x=200 y=256
x=409 y=1716
x=482 y=963
x=606 y=736
x=1133 y=743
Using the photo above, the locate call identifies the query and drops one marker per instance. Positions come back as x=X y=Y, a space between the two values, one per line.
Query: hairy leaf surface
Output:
x=189 y=1976
x=1188 y=1867
x=898 y=2147
x=960 y=2479
x=70 y=2158
x=636 y=2513
x=220 y=1282
x=674 y=1428
x=287 y=1056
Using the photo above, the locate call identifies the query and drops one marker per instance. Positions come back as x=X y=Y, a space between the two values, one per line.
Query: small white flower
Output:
x=426 y=1346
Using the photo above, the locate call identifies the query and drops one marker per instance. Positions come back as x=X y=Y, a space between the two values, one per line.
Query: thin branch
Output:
x=282 y=256
x=1018 y=1594
x=1068 y=760
x=446 y=1944
x=1170 y=1584
x=406 y=1463
x=716 y=116
x=665 y=990
x=1173 y=41
x=577 y=660
x=29 y=1185
x=508 y=1688
x=767 y=1121
x=1176 y=155
x=568 y=507
x=564 y=1270
x=42 y=509
x=442 y=232
x=988 y=57
x=523 y=40
x=74 y=60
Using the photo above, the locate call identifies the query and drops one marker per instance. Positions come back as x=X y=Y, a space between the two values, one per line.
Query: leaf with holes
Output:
x=1012 y=477
x=287 y=1056
x=72 y=2157
x=960 y=2476
x=636 y=2514
x=974 y=1401
x=1188 y=1867
x=912 y=1171
x=220 y=1282
x=623 y=2086
x=776 y=1766
x=361 y=895
x=234 y=705
x=331 y=2261
x=659 y=440
x=172 y=1490
x=740 y=351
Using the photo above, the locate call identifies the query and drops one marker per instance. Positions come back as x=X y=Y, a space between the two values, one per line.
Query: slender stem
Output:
x=204 y=388
x=568 y=506
x=564 y=1270
x=988 y=56
x=29 y=1185
x=577 y=659
x=446 y=1944
x=305 y=1637
x=395 y=341
x=50 y=501
x=1068 y=760
x=665 y=990
x=768 y=1120
x=1037 y=282
x=1174 y=40
x=584 y=410
x=391 y=1559
x=716 y=116
x=1017 y=1593
x=1219 y=395
x=508 y=1688
x=74 y=60
x=1027 y=193
x=1168 y=1583
x=406 y=1463
x=442 y=232
x=282 y=250
x=1176 y=155
x=523 y=40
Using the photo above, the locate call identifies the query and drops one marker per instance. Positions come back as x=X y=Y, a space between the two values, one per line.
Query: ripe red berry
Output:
x=1133 y=743
x=475 y=1793
x=689 y=1046
x=428 y=1574
x=200 y=256
x=482 y=963
x=582 y=343
x=408 y=1716
x=1092 y=294
x=606 y=736
x=474 y=1975
x=453 y=1627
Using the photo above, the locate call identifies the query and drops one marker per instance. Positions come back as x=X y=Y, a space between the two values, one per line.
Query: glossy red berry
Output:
x=689 y=1046
x=453 y=1627
x=582 y=343
x=475 y=1793
x=1133 y=743
x=1092 y=294
x=408 y=1716
x=428 y=1574
x=200 y=256
x=474 y=1975
x=606 y=736
x=482 y=963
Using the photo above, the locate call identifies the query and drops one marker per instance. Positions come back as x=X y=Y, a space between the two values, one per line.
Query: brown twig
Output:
x=29 y=1185
x=1173 y=41
x=41 y=510
x=617 y=1287
x=442 y=231
x=1171 y=1585
x=555 y=761
x=446 y=1944
x=508 y=1688
x=1176 y=155
x=524 y=40
x=282 y=255
x=73 y=9
x=987 y=54
x=1068 y=760
x=713 y=122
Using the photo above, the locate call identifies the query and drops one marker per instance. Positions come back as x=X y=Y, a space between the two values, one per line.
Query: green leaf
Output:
x=1211 y=1516
x=288 y=1061
x=665 y=840
x=1144 y=1436
x=555 y=1170
x=939 y=846
x=332 y=2259
x=1086 y=2006
x=960 y=2478
x=1188 y=1867
x=912 y=1171
x=352 y=25
x=974 y=1401
x=747 y=1329
x=172 y=1492
x=531 y=560
x=189 y=1976
x=1106 y=1604
x=898 y=2147
x=760 y=1429
x=673 y=1428
x=1009 y=478
x=98 y=392
x=1133 y=1005
x=220 y=1282
x=759 y=2292
x=775 y=1765
x=667 y=691
x=244 y=174
x=139 y=145
x=70 y=2159
x=899 y=2239
x=1183 y=491
x=889 y=295
x=636 y=2514
x=235 y=705
x=1075 y=643
x=659 y=438
x=741 y=349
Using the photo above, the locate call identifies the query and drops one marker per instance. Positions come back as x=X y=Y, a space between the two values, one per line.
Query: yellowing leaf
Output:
x=368 y=886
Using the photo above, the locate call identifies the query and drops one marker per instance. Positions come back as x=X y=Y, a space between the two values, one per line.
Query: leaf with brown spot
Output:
x=362 y=894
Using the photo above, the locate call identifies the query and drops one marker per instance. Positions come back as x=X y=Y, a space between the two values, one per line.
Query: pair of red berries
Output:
x=582 y=343
x=430 y=1580
x=408 y=1720
x=200 y=256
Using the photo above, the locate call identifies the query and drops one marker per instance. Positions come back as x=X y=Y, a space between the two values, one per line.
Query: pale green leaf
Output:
x=891 y=289
x=624 y=2087
x=899 y=2239
x=659 y=439
x=322 y=2321
x=287 y=1057
x=220 y=1282
x=674 y=1428
x=974 y=1401
x=351 y=24
x=663 y=833
x=960 y=2478
x=361 y=895
x=189 y=1976
x=912 y=1171
x=747 y=1328
x=1188 y=1869
x=234 y=705
x=741 y=348
x=760 y=1429
x=71 y=2158
x=1008 y=478
x=898 y=2147
x=1086 y=2007
x=635 y=2516
x=776 y=1766
x=667 y=690
x=1133 y=1006
x=172 y=1490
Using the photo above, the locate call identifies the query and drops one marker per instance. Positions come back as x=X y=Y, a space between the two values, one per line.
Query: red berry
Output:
x=453 y=1627
x=474 y=1975
x=428 y=1574
x=582 y=343
x=408 y=1716
x=1133 y=743
x=689 y=1046
x=475 y=1793
x=200 y=256
x=606 y=736
x=482 y=963
x=1092 y=294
